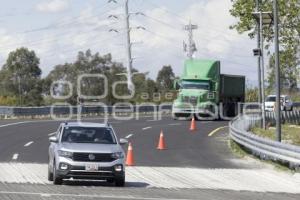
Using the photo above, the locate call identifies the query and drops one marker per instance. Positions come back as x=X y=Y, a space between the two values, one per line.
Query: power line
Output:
x=60 y=24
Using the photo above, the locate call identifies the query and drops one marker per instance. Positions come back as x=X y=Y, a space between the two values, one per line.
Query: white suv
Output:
x=285 y=103
x=86 y=151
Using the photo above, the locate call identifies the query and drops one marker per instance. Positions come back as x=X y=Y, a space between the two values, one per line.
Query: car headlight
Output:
x=66 y=154
x=117 y=155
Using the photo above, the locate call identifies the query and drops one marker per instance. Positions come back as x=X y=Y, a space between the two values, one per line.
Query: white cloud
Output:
x=161 y=42
x=53 y=6
x=213 y=38
x=9 y=42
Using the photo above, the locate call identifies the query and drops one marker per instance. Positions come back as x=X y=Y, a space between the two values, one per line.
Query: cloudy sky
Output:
x=58 y=29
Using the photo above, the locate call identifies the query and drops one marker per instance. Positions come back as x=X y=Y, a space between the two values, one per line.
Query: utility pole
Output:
x=190 y=49
x=20 y=90
x=128 y=29
x=258 y=59
x=128 y=47
x=262 y=71
x=277 y=72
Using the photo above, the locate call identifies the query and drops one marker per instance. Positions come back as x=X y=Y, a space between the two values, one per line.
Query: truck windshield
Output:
x=204 y=85
x=88 y=135
x=273 y=99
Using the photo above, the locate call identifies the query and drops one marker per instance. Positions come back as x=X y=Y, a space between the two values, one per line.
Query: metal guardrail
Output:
x=66 y=110
x=264 y=148
x=291 y=117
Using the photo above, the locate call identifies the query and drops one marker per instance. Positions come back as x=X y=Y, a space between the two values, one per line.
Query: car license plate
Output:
x=91 y=167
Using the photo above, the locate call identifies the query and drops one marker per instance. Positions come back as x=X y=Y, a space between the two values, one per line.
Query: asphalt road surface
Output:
x=196 y=165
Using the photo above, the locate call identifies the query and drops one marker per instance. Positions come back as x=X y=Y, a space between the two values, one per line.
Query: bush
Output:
x=8 y=101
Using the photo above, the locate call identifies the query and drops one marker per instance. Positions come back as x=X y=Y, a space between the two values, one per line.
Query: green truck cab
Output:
x=204 y=92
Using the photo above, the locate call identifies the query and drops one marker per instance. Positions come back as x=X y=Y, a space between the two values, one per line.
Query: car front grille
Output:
x=96 y=157
x=192 y=100
x=82 y=168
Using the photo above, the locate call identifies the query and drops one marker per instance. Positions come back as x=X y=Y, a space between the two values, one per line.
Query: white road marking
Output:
x=255 y=180
x=152 y=120
x=12 y=124
x=148 y=127
x=216 y=130
x=175 y=124
x=15 y=156
x=129 y=136
x=115 y=122
x=50 y=134
x=28 y=144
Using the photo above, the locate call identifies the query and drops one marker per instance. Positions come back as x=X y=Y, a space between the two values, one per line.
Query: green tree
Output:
x=289 y=12
x=21 y=76
x=165 y=79
x=289 y=71
x=88 y=63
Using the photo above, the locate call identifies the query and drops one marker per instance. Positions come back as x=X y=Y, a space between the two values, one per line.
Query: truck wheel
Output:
x=120 y=182
x=110 y=180
x=56 y=179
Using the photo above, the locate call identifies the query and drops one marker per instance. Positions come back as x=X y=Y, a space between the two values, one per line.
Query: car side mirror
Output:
x=123 y=141
x=53 y=139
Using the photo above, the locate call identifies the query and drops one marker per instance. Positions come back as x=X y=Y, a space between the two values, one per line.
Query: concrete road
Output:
x=196 y=165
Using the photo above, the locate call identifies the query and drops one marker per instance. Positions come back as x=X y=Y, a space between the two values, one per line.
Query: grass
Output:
x=242 y=152
x=290 y=133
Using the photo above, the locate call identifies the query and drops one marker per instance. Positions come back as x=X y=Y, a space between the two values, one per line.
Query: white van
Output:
x=285 y=102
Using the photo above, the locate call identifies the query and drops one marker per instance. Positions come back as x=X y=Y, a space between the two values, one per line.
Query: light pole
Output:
x=257 y=2
x=277 y=72
x=262 y=18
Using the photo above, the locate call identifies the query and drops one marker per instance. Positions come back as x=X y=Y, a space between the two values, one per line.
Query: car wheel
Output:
x=50 y=174
x=56 y=180
x=120 y=182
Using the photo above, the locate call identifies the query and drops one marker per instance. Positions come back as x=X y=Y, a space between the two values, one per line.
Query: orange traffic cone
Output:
x=193 y=125
x=130 y=158
x=161 y=144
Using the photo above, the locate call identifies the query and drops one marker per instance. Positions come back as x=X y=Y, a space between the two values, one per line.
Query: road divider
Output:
x=216 y=130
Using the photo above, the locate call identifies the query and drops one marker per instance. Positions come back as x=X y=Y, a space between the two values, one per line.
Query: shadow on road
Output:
x=104 y=184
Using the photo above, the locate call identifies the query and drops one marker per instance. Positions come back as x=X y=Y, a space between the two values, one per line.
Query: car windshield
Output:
x=204 y=85
x=99 y=135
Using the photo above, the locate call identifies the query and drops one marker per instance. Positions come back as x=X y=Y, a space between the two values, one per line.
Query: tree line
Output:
x=289 y=32
x=21 y=81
